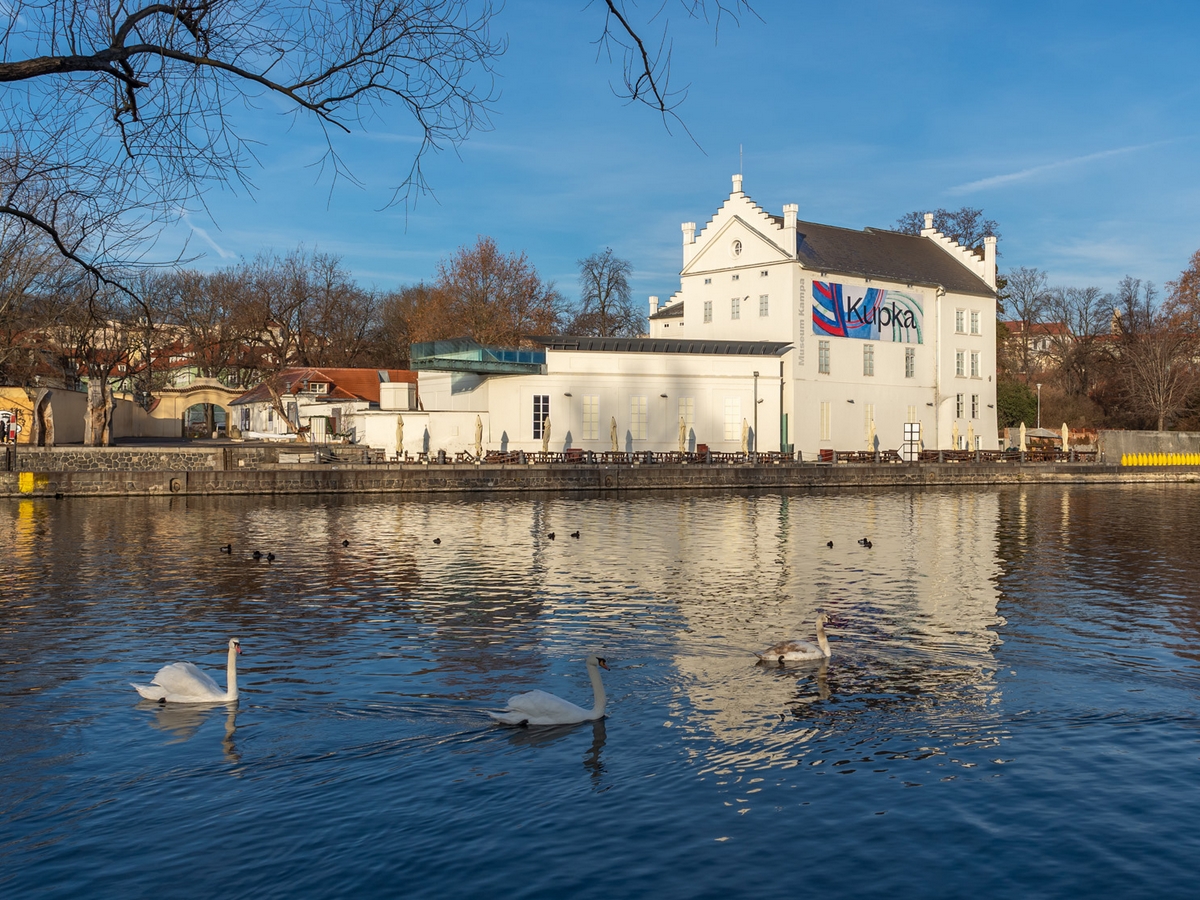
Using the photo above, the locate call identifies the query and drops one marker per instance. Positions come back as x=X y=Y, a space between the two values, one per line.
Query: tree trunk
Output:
x=96 y=419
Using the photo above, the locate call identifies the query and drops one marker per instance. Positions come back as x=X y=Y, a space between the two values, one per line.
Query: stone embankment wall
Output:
x=1114 y=444
x=466 y=478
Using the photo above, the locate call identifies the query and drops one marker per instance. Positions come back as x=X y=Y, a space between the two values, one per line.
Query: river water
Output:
x=1010 y=709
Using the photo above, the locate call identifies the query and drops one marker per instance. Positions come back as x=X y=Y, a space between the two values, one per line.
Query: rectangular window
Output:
x=591 y=419
x=687 y=411
x=960 y=363
x=541 y=410
x=958 y=405
x=826 y=421
x=637 y=418
x=823 y=357
x=764 y=306
x=910 y=362
x=708 y=281
x=762 y=274
x=733 y=419
x=974 y=321
x=707 y=310
x=974 y=363
x=974 y=406
x=912 y=414
x=868 y=359
x=735 y=308
x=960 y=321
x=736 y=277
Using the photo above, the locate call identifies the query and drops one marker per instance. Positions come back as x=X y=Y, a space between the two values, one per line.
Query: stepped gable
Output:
x=877 y=253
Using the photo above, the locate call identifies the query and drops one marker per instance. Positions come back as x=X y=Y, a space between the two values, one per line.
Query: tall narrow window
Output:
x=868 y=359
x=868 y=422
x=707 y=310
x=687 y=411
x=733 y=419
x=541 y=410
x=960 y=321
x=764 y=306
x=910 y=362
x=974 y=363
x=912 y=414
x=637 y=418
x=960 y=363
x=591 y=418
x=735 y=308
x=823 y=357
x=826 y=421
x=974 y=406
x=958 y=405
x=974 y=321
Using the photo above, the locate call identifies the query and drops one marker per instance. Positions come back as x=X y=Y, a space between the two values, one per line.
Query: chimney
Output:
x=989 y=260
x=737 y=183
x=789 y=215
x=928 y=222
x=689 y=232
x=653 y=305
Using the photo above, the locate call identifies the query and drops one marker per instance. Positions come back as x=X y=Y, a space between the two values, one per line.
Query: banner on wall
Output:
x=869 y=314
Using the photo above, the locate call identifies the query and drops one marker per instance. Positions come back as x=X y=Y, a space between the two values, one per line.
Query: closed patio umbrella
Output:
x=1023 y=445
x=478 y=437
x=399 y=435
x=745 y=436
x=970 y=436
x=682 y=435
x=954 y=436
x=1066 y=437
x=612 y=433
x=546 y=434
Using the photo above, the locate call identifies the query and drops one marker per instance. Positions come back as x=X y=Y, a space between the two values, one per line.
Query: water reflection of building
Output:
x=921 y=604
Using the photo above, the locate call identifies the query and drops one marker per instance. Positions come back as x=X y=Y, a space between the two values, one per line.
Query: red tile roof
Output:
x=344 y=384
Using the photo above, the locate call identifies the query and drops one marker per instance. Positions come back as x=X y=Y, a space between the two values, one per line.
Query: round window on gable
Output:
x=735 y=248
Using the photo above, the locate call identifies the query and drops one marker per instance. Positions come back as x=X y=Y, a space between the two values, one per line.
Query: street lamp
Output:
x=1039 y=424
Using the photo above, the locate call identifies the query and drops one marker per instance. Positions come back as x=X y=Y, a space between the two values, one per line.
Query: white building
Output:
x=885 y=328
x=784 y=335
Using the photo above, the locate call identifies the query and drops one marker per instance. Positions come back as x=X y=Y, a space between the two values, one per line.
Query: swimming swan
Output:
x=182 y=682
x=540 y=708
x=796 y=651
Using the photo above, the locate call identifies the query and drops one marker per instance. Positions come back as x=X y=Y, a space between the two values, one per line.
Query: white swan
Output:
x=183 y=683
x=796 y=651
x=540 y=708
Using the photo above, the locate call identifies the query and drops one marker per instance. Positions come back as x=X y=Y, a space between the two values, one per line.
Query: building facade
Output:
x=885 y=329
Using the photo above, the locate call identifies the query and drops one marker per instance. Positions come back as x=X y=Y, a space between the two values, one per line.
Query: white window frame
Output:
x=541 y=412
x=975 y=322
x=960 y=321
x=638 y=413
x=591 y=418
x=707 y=310
x=735 y=307
x=960 y=363
x=910 y=362
x=974 y=406
x=733 y=418
x=687 y=411
x=868 y=360
x=975 y=367
x=959 y=405
x=826 y=421
x=764 y=305
x=823 y=357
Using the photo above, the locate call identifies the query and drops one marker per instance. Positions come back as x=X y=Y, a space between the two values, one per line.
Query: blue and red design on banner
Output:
x=868 y=314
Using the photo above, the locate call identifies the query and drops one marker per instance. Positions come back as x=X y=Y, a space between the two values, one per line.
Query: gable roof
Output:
x=878 y=253
x=344 y=384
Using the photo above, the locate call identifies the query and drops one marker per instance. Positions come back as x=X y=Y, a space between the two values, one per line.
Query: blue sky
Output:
x=1071 y=124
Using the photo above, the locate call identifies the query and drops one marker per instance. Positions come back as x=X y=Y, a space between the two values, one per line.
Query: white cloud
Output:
x=1034 y=171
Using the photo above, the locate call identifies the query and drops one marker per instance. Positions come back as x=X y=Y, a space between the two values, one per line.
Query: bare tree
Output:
x=1026 y=299
x=1078 y=347
x=1157 y=353
x=116 y=113
x=492 y=297
x=605 y=298
x=966 y=225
